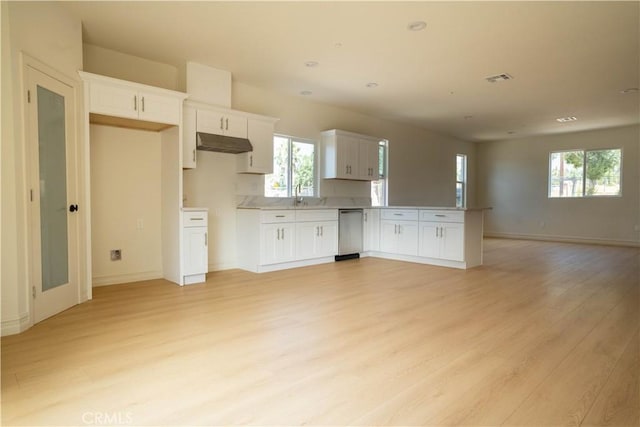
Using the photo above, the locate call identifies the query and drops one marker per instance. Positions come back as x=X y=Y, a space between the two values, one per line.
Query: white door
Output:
x=196 y=255
x=158 y=108
x=53 y=193
x=429 y=240
x=328 y=242
x=388 y=236
x=306 y=235
x=452 y=246
x=407 y=238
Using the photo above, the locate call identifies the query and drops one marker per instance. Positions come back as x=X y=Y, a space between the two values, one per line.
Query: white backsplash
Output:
x=330 y=202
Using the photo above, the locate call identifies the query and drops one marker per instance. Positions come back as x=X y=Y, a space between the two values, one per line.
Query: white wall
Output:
x=125 y=204
x=421 y=163
x=107 y=62
x=46 y=32
x=513 y=179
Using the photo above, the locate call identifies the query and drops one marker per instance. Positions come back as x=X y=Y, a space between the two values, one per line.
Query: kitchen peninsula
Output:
x=280 y=237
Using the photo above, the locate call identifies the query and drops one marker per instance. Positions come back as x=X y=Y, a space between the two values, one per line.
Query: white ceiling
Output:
x=566 y=58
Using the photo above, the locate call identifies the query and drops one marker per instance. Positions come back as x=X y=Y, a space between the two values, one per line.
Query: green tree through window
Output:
x=294 y=165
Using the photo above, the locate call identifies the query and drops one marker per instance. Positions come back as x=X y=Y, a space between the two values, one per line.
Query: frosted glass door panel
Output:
x=53 y=189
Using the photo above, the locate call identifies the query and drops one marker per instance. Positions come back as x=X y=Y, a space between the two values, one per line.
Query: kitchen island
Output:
x=275 y=238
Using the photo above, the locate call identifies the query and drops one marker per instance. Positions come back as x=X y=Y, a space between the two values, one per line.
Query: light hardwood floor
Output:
x=542 y=334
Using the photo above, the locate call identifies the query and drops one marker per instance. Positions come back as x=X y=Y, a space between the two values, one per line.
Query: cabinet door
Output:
x=429 y=240
x=407 y=238
x=347 y=157
x=371 y=237
x=452 y=241
x=113 y=100
x=260 y=160
x=270 y=244
x=195 y=253
x=307 y=235
x=235 y=126
x=368 y=160
x=328 y=242
x=278 y=243
x=388 y=236
x=287 y=242
x=189 y=138
x=210 y=122
x=158 y=108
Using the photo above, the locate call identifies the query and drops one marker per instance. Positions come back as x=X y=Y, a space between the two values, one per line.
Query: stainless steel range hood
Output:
x=222 y=144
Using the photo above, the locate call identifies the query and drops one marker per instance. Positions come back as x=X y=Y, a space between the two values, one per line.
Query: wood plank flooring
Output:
x=542 y=334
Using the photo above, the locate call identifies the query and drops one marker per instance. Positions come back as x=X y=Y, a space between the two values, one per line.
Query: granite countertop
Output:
x=438 y=208
x=186 y=209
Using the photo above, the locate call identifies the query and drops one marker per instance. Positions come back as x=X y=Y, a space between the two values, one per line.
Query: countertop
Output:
x=185 y=209
x=435 y=208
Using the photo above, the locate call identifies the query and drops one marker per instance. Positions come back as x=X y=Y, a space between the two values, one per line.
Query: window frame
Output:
x=584 y=194
x=463 y=182
x=290 y=187
x=384 y=176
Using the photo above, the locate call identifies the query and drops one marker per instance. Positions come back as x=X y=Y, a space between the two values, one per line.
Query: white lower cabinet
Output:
x=195 y=255
x=316 y=239
x=442 y=240
x=399 y=237
x=371 y=228
x=278 y=243
x=275 y=239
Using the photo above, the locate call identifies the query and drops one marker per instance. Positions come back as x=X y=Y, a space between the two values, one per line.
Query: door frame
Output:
x=26 y=62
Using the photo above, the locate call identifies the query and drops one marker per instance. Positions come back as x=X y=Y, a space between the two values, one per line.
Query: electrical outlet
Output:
x=541 y=224
x=637 y=227
x=140 y=224
x=116 y=254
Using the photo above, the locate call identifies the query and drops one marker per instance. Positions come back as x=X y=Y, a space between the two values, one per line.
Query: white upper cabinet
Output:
x=368 y=160
x=222 y=123
x=189 y=137
x=199 y=117
x=349 y=156
x=120 y=98
x=260 y=160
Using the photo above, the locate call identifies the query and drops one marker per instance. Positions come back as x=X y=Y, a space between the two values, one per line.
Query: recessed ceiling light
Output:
x=630 y=90
x=372 y=84
x=468 y=117
x=311 y=64
x=499 y=78
x=417 y=26
x=306 y=92
x=566 y=119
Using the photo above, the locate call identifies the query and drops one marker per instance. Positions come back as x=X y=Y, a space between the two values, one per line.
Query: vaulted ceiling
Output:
x=566 y=59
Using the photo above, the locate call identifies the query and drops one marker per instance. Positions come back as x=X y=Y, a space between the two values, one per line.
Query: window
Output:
x=379 y=187
x=294 y=164
x=461 y=180
x=585 y=173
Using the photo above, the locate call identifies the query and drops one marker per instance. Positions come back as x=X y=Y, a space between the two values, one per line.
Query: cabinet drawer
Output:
x=317 y=215
x=400 y=214
x=442 y=216
x=268 y=217
x=194 y=219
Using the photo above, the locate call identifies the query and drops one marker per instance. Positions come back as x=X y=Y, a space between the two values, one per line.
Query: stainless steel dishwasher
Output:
x=349 y=234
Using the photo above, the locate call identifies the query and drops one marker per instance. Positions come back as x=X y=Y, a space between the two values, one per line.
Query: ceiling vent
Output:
x=499 y=78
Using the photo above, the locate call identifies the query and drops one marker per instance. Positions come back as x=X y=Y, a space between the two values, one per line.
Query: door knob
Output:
x=73 y=208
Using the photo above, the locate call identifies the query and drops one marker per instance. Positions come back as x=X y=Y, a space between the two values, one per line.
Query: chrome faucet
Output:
x=297 y=199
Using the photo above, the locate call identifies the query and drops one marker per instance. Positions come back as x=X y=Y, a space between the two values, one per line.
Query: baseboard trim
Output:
x=15 y=326
x=126 y=278
x=564 y=239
